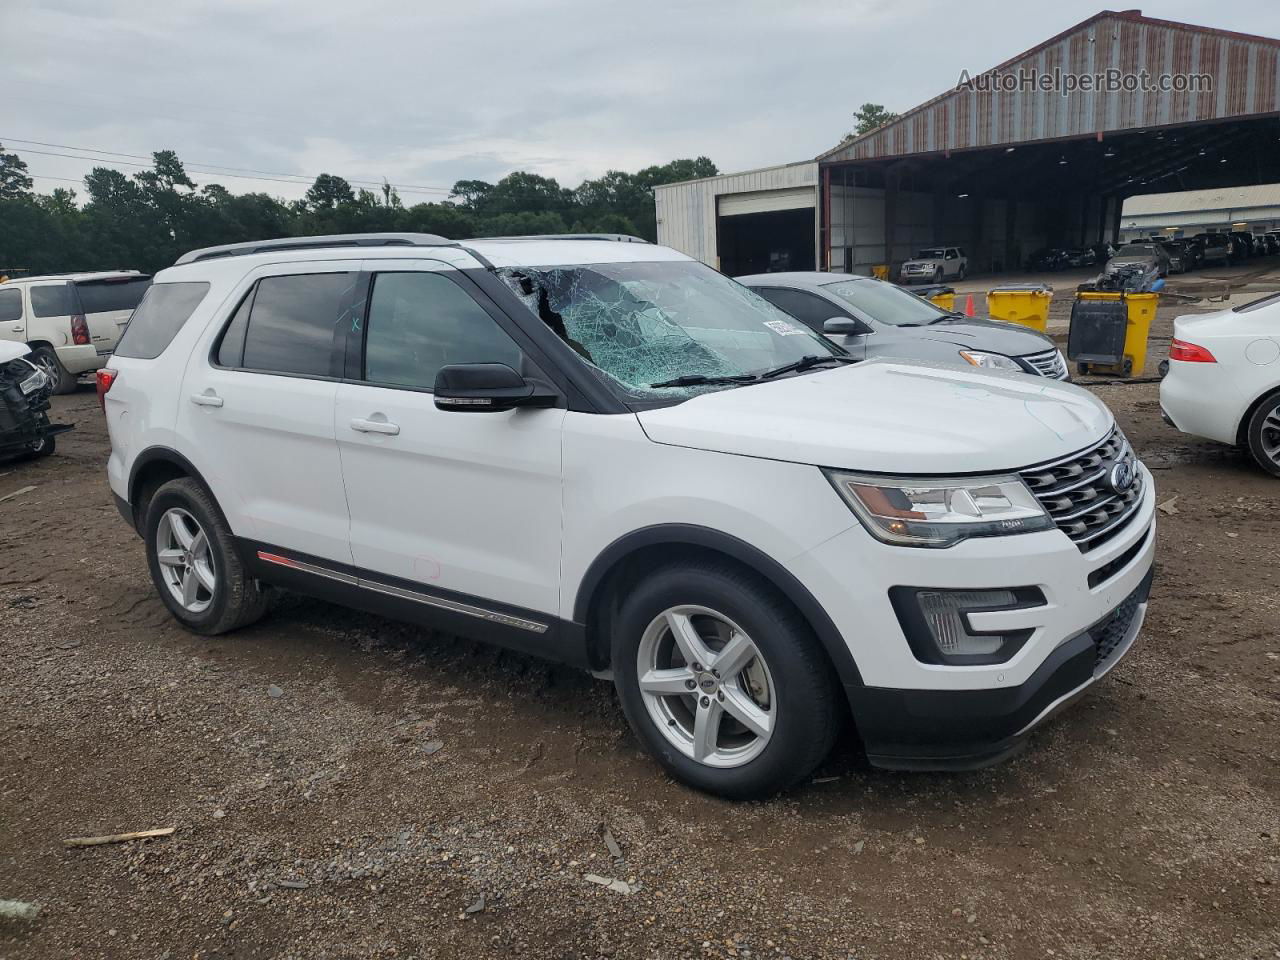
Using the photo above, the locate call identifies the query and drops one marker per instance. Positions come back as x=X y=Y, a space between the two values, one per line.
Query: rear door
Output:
x=107 y=304
x=449 y=503
x=12 y=326
x=257 y=409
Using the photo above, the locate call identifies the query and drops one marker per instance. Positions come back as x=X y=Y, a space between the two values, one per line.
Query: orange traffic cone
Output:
x=968 y=306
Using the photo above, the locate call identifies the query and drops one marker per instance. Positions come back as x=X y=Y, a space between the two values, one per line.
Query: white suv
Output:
x=607 y=453
x=935 y=264
x=70 y=321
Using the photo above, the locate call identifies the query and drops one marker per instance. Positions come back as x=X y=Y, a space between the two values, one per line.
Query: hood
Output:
x=884 y=416
x=12 y=351
x=990 y=335
x=917 y=262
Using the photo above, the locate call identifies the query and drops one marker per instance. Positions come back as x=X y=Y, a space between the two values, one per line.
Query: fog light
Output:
x=944 y=614
x=937 y=626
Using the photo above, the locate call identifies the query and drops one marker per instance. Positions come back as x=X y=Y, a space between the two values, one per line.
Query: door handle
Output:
x=375 y=426
x=206 y=400
x=17 y=328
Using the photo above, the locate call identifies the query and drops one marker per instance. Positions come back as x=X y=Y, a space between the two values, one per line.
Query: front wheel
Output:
x=937 y=275
x=194 y=563
x=1264 y=435
x=43 y=447
x=723 y=681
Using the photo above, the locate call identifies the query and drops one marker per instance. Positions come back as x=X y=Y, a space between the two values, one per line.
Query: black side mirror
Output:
x=842 y=326
x=487 y=388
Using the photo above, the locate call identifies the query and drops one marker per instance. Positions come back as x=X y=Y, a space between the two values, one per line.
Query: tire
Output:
x=937 y=275
x=1082 y=369
x=1263 y=435
x=962 y=273
x=783 y=682
x=46 y=358
x=223 y=597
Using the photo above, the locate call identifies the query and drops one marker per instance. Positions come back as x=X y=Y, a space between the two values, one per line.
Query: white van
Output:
x=71 y=321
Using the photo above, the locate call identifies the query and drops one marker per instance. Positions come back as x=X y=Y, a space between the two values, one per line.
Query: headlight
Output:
x=990 y=361
x=925 y=512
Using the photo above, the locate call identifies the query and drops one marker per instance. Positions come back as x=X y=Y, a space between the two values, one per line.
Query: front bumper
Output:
x=968 y=729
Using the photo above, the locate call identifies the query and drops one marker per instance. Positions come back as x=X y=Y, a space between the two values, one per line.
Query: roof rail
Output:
x=616 y=237
x=310 y=243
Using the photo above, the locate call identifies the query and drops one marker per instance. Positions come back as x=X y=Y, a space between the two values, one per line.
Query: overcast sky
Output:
x=426 y=92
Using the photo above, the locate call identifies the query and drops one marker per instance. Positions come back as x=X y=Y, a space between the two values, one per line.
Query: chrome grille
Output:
x=1076 y=494
x=1048 y=364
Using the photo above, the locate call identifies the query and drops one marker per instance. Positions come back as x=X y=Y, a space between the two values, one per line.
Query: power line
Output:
x=275 y=177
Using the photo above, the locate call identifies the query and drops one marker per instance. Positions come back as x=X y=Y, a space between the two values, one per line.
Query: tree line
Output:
x=146 y=220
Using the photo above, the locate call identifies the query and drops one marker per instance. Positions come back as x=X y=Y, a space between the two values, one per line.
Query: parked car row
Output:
x=1180 y=255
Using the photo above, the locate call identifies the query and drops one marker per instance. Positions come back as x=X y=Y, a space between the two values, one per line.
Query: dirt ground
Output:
x=345 y=786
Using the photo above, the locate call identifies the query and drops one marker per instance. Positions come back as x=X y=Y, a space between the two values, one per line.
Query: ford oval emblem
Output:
x=1121 y=476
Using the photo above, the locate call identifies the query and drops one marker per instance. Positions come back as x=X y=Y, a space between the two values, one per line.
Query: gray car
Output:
x=872 y=318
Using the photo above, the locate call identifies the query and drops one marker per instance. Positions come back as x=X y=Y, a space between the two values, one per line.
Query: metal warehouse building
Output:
x=1250 y=209
x=1003 y=166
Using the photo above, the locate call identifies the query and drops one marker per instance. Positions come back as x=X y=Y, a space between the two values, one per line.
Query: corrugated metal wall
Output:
x=687 y=211
x=1245 y=76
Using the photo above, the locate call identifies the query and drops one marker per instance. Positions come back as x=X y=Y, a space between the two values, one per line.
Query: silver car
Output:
x=872 y=318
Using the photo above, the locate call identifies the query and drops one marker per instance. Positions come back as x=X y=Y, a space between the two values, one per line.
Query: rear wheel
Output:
x=194 y=563
x=46 y=358
x=723 y=681
x=1264 y=434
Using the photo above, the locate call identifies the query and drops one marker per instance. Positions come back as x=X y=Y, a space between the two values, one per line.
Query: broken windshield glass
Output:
x=647 y=323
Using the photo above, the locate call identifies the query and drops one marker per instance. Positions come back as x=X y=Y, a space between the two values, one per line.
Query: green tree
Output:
x=14 y=181
x=328 y=193
x=868 y=117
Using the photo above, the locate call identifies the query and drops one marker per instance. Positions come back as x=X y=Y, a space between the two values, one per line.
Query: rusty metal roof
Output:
x=1244 y=74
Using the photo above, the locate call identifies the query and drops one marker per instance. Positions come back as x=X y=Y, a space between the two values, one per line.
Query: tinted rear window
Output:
x=107 y=296
x=159 y=317
x=294 y=321
x=10 y=305
x=53 y=300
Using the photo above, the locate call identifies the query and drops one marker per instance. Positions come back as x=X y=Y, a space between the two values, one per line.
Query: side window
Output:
x=420 y=322
x=10 y=305
x=951 y=253
x=294 y=322
x=164 y=309
x=53 y=300
x=808 y=308
x=231 y=346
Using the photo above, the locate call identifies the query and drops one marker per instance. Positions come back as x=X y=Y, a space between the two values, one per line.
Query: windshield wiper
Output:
x=953 y=315
x=700 y=380
x=807 y=362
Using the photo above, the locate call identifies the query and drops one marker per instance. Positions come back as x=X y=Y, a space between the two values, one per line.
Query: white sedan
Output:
x=1224 y=378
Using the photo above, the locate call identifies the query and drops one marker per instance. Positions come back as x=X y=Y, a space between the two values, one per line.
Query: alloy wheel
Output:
x=1270 y=437
x=186 y=560
x=706 y=686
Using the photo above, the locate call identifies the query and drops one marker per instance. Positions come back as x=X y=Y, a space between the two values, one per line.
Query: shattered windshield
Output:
x=639 y=325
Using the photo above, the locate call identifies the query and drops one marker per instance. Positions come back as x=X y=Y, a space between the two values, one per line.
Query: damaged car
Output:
x=603 y=452
x=25 y=430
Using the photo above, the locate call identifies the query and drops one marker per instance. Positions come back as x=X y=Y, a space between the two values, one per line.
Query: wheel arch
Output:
x=626 y=556
x=1242 y=430
x=152 y=468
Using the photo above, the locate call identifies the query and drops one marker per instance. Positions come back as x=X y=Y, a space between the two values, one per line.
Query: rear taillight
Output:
x=1189 y=352
x=79 y=329
x=104 y=378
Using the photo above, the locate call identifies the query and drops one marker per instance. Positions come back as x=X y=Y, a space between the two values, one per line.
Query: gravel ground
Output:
x=345 y=786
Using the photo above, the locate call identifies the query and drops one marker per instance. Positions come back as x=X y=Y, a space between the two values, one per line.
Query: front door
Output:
x=468 y=503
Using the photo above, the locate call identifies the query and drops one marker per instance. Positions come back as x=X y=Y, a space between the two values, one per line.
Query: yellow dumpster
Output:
x=1026 y=304
x=1097 y=346
x=880 y=271
x=939 y=295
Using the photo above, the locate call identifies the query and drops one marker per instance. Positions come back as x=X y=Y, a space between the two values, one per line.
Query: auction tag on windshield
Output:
x=784 y=329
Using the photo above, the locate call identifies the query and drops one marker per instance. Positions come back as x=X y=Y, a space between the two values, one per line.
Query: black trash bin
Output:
x=1098 y=328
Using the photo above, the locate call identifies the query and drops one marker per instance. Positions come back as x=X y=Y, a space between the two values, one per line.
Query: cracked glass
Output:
x=642 y=324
